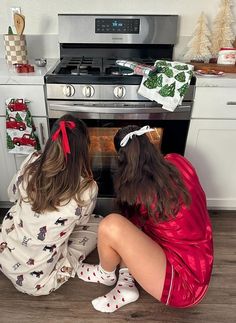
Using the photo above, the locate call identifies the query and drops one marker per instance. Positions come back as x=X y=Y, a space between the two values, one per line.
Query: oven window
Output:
x=169 y=136
x=104 y=156
x=102 y=140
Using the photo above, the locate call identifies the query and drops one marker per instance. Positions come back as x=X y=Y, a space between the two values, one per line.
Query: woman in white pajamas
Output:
x=50 y=229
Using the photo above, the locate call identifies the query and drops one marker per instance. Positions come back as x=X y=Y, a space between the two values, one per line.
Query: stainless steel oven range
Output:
x=88 y=83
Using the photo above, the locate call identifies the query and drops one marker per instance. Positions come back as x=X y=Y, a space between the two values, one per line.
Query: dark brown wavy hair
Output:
x=145 y=177
x=51 y=180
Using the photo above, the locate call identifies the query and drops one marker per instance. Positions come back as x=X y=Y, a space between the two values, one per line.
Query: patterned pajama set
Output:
x=40 y=252
x=186 y=240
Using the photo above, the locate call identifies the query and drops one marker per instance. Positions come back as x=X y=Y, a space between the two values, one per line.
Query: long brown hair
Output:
x=145 y=177
x=53 y=179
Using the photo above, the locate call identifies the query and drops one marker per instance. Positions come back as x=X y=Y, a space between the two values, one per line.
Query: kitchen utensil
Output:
x=19 y=22
x=41 y=62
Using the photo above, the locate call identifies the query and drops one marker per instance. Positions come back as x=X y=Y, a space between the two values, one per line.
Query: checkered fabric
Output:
x=15 y=47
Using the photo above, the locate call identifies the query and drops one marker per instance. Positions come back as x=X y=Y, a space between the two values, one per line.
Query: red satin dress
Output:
x=186 y=241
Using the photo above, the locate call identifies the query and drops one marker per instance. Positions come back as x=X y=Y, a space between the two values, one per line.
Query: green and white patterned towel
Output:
x=168 y=85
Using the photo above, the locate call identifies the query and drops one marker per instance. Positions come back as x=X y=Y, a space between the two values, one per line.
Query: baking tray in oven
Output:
x=102 y=140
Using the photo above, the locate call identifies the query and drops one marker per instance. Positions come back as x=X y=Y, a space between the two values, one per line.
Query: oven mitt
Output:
x=168 y=85
x=20 y=128
x=138 y=68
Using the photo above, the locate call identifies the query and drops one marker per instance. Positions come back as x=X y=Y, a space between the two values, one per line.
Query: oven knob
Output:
x=68 y=90
x=88 y=91
x=119 y=92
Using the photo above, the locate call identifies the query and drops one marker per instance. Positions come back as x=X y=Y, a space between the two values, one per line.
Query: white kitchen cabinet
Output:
x=7 y=164
x=215 y=103
x=10 y=162
x=211 y=144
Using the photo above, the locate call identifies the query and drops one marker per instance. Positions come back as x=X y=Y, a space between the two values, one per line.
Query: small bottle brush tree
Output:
x=200 y=43
x=222 y=34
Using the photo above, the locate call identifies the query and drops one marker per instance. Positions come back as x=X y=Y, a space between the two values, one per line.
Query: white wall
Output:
x=41 y=15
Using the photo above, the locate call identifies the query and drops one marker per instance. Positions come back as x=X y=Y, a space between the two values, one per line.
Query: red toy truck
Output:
x=17 y=105
x=13 y=124
x=25 y=140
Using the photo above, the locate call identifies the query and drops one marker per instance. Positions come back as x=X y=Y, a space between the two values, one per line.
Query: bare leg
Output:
x=119 y=240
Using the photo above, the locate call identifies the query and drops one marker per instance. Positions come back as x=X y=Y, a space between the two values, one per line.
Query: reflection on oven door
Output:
x=104 y=156
x=102 y=145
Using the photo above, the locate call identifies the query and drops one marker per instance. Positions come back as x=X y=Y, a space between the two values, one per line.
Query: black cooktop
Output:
x=95 y=70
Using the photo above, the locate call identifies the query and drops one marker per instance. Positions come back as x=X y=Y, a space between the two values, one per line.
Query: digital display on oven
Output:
x=117 y=26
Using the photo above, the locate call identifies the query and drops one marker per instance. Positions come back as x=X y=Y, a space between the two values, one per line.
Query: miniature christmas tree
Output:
x=7 y=115
x=18 y=117
x=183 y=89
x=200 y=43
x=153 y=81
x=180 y=77
x=167 y=71
x=222 y=34
x=28 y=119
x=10 y=144
x=168 y=90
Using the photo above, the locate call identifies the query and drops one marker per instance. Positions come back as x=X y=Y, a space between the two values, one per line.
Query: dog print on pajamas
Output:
x=34 y=246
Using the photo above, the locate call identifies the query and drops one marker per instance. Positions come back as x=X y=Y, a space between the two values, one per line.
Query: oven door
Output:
x=170 y=136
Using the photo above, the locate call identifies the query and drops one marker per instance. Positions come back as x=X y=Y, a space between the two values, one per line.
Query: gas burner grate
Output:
x=97 y=66
x=118 y=70
x=79 y=66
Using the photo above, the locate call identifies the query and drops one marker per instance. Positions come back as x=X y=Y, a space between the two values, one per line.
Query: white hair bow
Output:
x=139 y=132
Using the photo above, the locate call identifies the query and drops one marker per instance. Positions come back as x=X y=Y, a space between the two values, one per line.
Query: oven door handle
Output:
x=110 y=109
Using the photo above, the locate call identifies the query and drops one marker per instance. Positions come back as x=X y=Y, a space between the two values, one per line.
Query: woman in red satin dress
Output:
x=163 y=239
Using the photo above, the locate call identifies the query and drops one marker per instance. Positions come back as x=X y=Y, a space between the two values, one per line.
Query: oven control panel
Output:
x=117 y=26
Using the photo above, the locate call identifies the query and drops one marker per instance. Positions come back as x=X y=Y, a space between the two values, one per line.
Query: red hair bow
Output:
x=62 y=129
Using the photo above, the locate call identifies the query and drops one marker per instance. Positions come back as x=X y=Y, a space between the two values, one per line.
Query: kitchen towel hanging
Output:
x=168 y=85
x=20 y=128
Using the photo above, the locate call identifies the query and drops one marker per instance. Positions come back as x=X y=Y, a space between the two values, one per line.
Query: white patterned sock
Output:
x=96 y=274
x=124 y=293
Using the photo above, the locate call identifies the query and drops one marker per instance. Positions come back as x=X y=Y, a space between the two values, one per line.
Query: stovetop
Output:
x=96 y=70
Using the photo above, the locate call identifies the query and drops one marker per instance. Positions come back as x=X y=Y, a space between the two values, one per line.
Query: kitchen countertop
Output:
x=9 y=76
x=226 y=80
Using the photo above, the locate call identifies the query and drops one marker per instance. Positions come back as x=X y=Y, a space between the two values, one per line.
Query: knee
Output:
x=111 y=225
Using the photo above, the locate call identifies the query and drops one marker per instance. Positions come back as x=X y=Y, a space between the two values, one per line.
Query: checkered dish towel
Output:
x=20 y=128
x=168 y=85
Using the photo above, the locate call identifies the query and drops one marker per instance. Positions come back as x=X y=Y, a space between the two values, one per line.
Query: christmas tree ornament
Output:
x=222 y=34
x=198 y=47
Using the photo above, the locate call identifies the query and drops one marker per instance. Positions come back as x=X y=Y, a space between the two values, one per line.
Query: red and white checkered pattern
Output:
x=16 y=50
